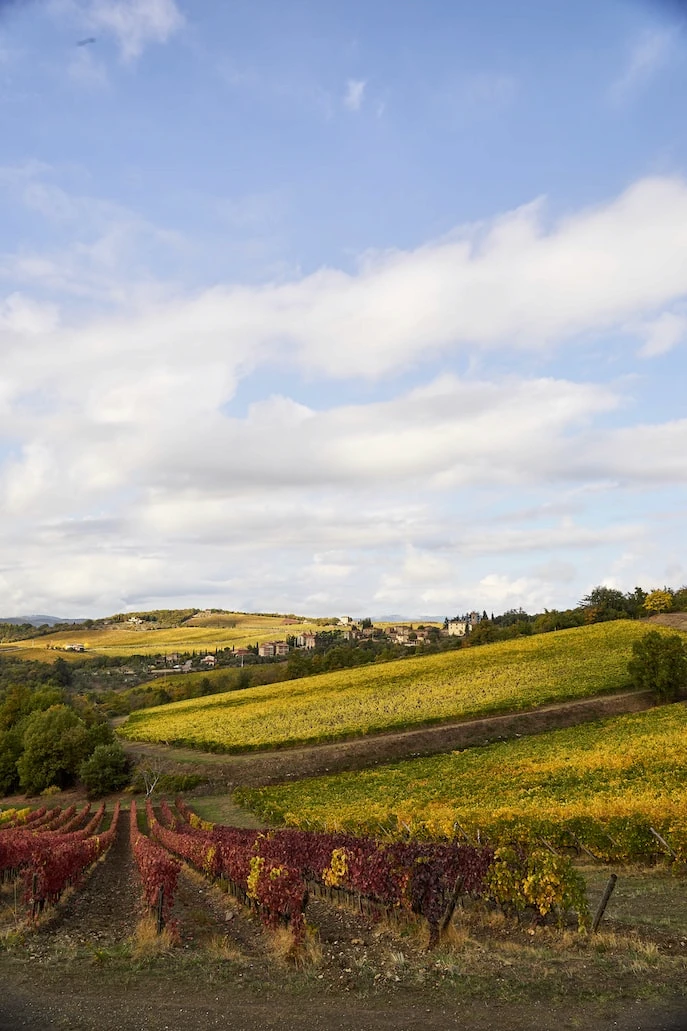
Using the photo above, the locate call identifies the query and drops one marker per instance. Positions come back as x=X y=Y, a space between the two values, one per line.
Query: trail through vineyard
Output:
x=78 y=970
x=267 y=767
x=104 y=909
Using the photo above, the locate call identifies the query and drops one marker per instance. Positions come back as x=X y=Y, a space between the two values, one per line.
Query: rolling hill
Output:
x=511 y=676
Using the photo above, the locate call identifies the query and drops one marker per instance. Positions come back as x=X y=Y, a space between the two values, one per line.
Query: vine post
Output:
x=608 y=891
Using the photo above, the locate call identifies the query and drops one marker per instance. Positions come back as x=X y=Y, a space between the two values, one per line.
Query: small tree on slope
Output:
x=659 y=664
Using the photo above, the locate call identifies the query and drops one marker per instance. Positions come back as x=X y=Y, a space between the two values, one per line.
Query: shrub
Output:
x=106 y=769
x=659 y=664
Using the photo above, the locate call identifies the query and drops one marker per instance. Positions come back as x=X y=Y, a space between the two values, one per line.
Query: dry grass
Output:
x=456 y=936
x=220 y=947
x=147 y=943
x=287 y=951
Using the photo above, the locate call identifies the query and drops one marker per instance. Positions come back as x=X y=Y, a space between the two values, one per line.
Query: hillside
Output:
x=627 y=766
x=203 y=632
x=512 y=676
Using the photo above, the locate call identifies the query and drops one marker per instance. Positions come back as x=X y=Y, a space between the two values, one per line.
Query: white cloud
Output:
x=663 y=333
x=134 y=23
x=24 y=316
x=514 y=282
x=353 y=97
x=647 y=56
x=126 y=455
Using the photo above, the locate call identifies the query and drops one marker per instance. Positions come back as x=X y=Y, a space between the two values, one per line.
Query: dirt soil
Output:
x=676 y=620
x=255 y=769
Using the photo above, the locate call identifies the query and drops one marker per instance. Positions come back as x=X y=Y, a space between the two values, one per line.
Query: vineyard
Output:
x=160 y=892
x=49 y=851
x=274 y=873
x=614 y=790
x=231 y=630
x=511 y=676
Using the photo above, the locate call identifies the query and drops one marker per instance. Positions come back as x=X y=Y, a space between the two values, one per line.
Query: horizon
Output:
x=341 y=309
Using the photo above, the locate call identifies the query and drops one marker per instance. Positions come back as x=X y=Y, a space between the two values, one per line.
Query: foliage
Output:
x=276 y=887
x=106 y=769
x=51 y=851
x=514 y=675
x=658 y=601
x=601 y=786
x=12 y=817
x=157 y=870
x=11 y=747
x=415 y=877
x=55 y=744
x=64 y=858
x=540 y=880
x=659 y=664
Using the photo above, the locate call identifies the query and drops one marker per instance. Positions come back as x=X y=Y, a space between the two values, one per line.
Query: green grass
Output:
x=512 y=676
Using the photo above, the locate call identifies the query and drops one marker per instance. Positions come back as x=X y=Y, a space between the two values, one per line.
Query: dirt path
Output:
x=676 y=620
x=258 y=768
x=43 y=1000
x=104 y=909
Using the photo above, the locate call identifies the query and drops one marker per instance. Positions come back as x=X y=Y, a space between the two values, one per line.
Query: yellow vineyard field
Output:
x=511 y=676
x=121 y=640
x=621 y=776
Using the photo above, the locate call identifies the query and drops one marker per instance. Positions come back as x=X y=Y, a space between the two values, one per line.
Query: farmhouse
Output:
x=457 y=628
x=306 y=640
x=272 y=649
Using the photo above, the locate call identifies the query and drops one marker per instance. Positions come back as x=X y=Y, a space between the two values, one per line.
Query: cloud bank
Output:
x=128 y=449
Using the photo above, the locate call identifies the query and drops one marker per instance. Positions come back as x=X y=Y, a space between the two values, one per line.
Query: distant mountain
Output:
x=39 y=620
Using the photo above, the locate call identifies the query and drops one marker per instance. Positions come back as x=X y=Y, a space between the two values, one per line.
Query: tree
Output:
x=659 y=664
x=658 y=601
x=10 y=750
x=604 y=603
x=61 y=672
x=56 y=742
x=106 y=769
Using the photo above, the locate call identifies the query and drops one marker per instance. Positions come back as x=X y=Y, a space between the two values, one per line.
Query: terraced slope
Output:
x=626 y=766
x=513 y=676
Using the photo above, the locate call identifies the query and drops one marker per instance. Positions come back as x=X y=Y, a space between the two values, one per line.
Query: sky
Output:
x=364 y=307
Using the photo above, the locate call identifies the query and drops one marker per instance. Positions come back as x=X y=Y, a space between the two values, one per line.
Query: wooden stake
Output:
x=663 y=842
x=450 y=908
x=604 y=901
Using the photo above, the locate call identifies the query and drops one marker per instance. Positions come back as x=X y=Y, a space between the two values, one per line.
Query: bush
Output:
x=10 y=750
x=106 y=769
x=659 y=664
x=56 y=742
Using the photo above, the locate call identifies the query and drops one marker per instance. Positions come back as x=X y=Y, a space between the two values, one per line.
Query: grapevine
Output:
x=158 y=871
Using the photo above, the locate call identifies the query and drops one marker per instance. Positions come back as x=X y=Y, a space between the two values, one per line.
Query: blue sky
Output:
x=366 y=307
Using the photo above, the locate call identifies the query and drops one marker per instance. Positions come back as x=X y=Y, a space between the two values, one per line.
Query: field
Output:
x=91 y=960
x=629 y=766
x=222 y=630
x=511 y=676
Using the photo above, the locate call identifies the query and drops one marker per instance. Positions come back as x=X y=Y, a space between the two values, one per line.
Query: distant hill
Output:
x=39 y=620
